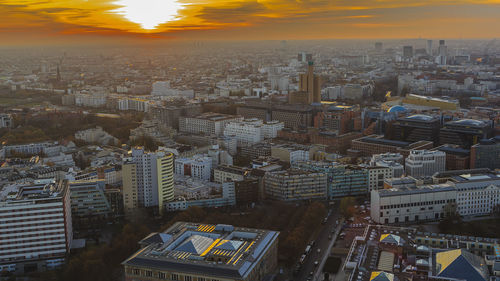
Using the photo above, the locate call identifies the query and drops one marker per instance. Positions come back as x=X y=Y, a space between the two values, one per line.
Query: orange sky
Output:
x=31 y=21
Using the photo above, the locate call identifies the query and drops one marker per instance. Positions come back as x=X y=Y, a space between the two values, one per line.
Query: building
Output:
x=408 y=52
x=227 y=173
x=221 y=196
x=199 y=167
x=251 y=131
x=465 y=132
x=262 y=149
x=96 y=135
x=393 y=161
x=169 y=115
x=425 y=163
x=247 y=190
x=191 y=251
x=478 y=194
x=6 y=121
x=148 y=179
x=88 y=201
x=292 y=185
x=309 y=88
x=207 y=123
x=376 y=254
x=342 y=180
x=457 y=158
x=35 y=227
x=417 y=128
x=486 y=154
x=373 y=144
x=377 y=175
x=406 y=204
x=292 y=153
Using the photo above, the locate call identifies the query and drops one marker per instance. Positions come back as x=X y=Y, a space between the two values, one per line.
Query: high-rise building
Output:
x=310 y=85
x=408 y=52
x=304 y=57
x=429 y=47
x=202 y=252
x=379 y=46
x=35 y=227
x=425 y=163
x=148 y=179
x=88 y=200
x=198 y=167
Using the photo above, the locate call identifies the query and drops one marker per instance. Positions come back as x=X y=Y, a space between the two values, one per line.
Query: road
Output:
x=323 y=244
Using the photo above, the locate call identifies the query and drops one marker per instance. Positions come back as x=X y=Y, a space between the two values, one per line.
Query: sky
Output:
x=45 y=21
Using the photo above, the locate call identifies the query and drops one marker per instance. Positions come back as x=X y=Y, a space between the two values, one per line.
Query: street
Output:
x=322 y=242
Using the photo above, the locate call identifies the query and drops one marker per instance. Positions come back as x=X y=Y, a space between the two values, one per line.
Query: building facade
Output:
x=292 y=185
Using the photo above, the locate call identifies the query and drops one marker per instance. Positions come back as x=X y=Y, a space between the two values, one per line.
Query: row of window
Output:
x=417 y=204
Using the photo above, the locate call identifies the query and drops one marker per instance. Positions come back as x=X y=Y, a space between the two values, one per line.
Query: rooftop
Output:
x=220 y=250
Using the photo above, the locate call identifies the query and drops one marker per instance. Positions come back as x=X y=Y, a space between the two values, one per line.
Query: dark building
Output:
x=486 y=154
x=373 y=144
x=257 y=150
x=416 y=128
x=465 y=132
x=170 y=115
x=408 y=51
x=457 y=158
x=247 y=190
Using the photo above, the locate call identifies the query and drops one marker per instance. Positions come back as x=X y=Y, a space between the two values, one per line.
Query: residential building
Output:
x=192 y=251
x=148 y=179
x=292 y=185
x=222 y=195
x=228 y=173
x=425 y=163
x=35 y=227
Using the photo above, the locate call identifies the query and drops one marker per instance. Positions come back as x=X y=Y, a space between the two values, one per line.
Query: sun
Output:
x=148 y=13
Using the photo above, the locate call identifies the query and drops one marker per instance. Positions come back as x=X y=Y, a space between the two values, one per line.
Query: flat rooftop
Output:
x=222 y=251
x=415 y=190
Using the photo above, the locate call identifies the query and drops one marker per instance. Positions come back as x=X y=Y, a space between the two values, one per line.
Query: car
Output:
x=330 y=237
x=316 y=263
x=324 y=221
x=311 y=273
x=319 y=250
x=313 y=243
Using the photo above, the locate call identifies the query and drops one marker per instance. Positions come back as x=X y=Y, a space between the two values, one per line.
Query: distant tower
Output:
x=311 y=84
x=58 y=74
x=429 y=47
x=379 y=46
x=408 y=52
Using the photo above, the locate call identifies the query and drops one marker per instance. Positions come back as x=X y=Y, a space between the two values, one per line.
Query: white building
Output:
x=87 y=100
x=207 y=123
x=377 y=175
x=35 y=226
x=135 y=104
x=405 y=205
x=6 y=121
x=477 y=195
x=251 y=131
x=198 y=166
x=425 y=163
x=96 y=135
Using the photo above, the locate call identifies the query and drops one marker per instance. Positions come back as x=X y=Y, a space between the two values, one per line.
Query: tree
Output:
x=347 y=206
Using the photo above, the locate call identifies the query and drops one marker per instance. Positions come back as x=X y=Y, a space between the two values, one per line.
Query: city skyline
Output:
x=29 y=21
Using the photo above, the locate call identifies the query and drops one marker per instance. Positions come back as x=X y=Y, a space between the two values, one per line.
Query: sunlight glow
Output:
x=149 y=13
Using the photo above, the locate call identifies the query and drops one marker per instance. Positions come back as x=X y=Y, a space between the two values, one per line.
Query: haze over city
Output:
x=249 y=140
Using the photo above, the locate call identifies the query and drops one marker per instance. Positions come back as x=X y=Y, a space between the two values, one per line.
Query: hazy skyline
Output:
x=45 y=21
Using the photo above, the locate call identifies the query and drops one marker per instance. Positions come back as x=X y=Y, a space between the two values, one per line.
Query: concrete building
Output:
x=148 y=179
x=425 y=163
x=417 y=128
x=222 y=196
x=195 y=252
x=96 y=135
x=292 y=153
x=392 y=161
x=207 y=123
x=405 y=205
x=251 y=131
x=465 y=132
x=377 y=175
x=309 y=87
x=6 y=121
x=35 y=227
x=227 y=173
x=88 y=200
x=198 y=166
x=292 y=185
x=373 y=144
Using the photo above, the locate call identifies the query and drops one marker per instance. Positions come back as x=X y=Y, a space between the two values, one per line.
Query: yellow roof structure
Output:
x=381 y=276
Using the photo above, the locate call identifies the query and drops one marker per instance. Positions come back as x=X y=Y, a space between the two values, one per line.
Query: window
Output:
x=149 y=273
x=162 y=275
x=137 y=272
x=188 y=278
x=175 y=277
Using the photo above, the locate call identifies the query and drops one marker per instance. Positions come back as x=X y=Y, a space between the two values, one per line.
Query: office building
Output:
x=148 y=179
x=207 y=123
x=292 y=152
x=465 y=132
x=251 y=131
x=292 y=185
x=486 y=154
x=304 y=57
x=417 y=128
x=457 y=158
x=377 y=175
x=169 y=115
x=195 y=252
x=35 y=227
x=411 y=204
x=429 y=48
x=262 y=149
x=478 y=194
x=379 y=46
x=88 y=201
x=189 y=193
x=373 y=144
x=198 y=167
x=425 y=163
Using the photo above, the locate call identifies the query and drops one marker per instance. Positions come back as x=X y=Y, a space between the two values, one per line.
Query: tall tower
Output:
x=429 y=47
x=311 y=84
